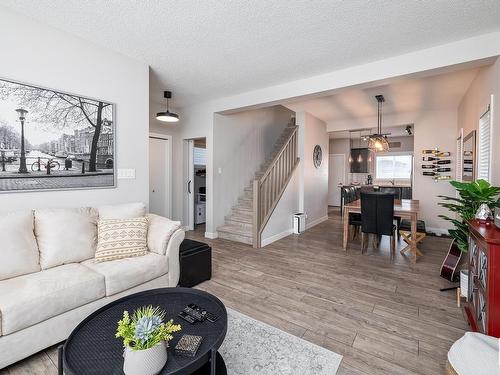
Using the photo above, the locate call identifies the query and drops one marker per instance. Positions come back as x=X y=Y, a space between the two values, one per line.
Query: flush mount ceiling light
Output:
x=167 y=116
x=378 y=142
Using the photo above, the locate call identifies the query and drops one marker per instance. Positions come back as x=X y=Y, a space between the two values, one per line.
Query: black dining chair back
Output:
x=369 y=213
x=377 y=215
x=385 y=214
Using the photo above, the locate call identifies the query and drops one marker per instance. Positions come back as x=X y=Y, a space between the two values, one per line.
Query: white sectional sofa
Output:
x=49 y=281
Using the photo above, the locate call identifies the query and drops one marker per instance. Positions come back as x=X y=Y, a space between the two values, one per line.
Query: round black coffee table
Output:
x=93 y=349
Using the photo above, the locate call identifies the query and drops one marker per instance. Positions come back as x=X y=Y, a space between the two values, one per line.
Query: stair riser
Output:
x=238 y=211
x=246 y=219
x=246 y=226
x=235 y=237
x=245 y=202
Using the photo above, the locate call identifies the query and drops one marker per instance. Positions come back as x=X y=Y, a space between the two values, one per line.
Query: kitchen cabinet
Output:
x=359 y=162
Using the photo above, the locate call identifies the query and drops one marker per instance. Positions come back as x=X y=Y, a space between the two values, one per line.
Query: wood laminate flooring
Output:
x=383 y=316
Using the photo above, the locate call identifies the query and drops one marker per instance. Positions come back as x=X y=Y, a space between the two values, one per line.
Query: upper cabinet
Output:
x=359 y=162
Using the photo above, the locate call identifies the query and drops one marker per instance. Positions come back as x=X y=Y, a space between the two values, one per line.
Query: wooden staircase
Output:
x=249 y=216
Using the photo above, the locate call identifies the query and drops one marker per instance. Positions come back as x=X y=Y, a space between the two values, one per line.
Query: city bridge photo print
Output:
x=51 y=140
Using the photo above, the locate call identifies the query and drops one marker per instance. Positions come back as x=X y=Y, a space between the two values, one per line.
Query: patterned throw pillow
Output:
x=121 y=238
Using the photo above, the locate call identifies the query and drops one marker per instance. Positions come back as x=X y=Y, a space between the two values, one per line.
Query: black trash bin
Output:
x=195 y=263
x=68 y=164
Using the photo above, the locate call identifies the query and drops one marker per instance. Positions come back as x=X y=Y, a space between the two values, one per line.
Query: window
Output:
x=484 y=147
x=390 y=167
x=200 y=156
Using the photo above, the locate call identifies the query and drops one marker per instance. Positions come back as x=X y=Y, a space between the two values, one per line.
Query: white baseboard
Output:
x=276 y=237
x=437 y=231
x=316 y=222
x=211 y=235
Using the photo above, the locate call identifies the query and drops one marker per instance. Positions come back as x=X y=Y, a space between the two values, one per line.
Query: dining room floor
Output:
x=383 y=316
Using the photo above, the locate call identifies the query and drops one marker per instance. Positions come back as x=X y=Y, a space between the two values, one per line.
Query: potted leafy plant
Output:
x=471 y=196
x=145 y=338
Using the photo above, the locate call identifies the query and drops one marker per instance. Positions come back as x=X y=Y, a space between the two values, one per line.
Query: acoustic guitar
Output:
x=450 y=263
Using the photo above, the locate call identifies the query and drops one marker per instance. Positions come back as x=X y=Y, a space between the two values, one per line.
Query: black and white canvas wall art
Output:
x=51 y=140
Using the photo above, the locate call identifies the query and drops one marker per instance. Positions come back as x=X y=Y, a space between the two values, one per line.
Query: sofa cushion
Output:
x=122 y=211
x=18 y=248
x=123 y=274
x=65 y=235
x=30 y=299
x=159 y=232
x=121 y=238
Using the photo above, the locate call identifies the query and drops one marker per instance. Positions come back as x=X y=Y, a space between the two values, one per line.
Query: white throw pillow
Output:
x=121 y=238
x=65 y=235
x=159 y=232
x=18 y=248
x=122 y=211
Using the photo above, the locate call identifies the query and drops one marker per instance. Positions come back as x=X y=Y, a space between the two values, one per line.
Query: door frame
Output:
x=343 y=175
x=168 y=163
x=188 y=193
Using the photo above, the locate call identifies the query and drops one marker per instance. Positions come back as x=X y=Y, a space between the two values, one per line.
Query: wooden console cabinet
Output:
x=483 y=301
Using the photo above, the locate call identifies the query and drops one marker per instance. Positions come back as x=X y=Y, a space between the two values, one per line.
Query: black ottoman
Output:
x=195 y=263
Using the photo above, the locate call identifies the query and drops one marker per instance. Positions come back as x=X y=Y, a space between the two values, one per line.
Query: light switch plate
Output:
x=126 y=174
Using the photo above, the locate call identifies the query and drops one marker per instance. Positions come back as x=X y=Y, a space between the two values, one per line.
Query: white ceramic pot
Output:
x=145 y=362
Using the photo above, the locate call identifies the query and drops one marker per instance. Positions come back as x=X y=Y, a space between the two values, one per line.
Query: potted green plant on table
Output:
x=471 y=195
x=145 y=338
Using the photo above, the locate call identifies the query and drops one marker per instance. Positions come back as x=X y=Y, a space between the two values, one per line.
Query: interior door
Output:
x=158 y=176
x=336 y=178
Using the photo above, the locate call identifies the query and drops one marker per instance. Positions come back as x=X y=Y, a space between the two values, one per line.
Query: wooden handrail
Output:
x=268 y=189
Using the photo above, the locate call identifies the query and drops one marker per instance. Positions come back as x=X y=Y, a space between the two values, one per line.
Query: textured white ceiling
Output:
x=212 y=48
x=402 y=95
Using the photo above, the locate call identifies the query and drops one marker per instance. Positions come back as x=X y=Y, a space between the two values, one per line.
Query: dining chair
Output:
x=377 y=216
x=397 y=195
x=349 y=194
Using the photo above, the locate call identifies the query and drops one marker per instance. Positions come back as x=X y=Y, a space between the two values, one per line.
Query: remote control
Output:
x=194 y=313
x=187 y=317
x=210 y=317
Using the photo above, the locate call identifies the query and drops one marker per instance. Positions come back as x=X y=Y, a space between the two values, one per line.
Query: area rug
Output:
x=253 y=347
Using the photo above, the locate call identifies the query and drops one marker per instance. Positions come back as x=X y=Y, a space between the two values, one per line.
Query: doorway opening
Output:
x=196 y=193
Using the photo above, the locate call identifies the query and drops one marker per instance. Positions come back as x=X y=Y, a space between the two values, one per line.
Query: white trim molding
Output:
x=316 y=222
x=437 y=231
x=276 y=237
x=211 y=235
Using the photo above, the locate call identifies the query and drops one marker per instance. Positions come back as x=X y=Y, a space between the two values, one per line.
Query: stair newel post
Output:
x=256 y=214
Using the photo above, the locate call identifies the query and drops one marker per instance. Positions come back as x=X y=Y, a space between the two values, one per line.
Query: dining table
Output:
x=403 y=208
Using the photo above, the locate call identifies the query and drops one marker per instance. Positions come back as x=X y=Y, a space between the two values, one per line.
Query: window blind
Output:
x=484 y=151
x=458 y=169
x=200 y=156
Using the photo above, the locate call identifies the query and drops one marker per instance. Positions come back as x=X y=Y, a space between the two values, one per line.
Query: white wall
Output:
x=473 y=105
x=281 y=223
x=242 y=141
x=33 y=53
x=313 y=182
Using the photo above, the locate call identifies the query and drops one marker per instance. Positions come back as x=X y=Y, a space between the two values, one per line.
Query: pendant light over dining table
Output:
x=378 y=142
x=167 y=116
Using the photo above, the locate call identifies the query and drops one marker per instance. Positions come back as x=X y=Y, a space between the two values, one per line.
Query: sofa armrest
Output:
x=160 y=230
x=164 y=238
x=172 y=254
